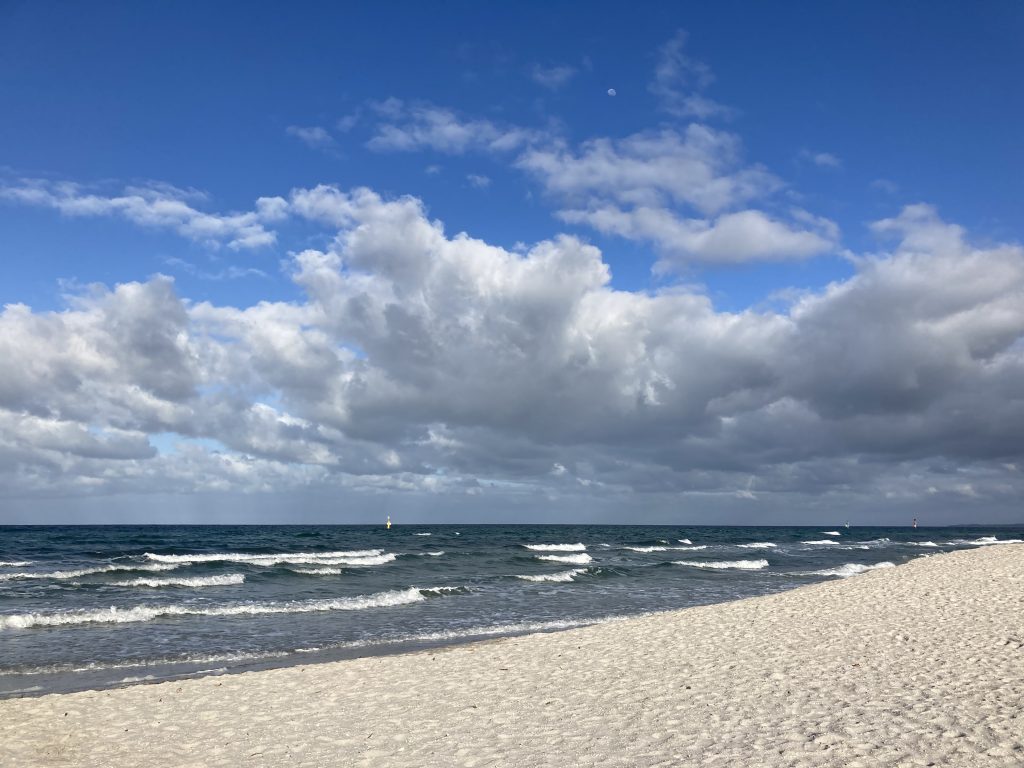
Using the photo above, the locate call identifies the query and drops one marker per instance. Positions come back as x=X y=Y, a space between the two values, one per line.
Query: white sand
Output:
x=910 y=666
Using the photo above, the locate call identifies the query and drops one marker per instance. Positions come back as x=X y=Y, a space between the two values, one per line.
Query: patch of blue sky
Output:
x=169 y=442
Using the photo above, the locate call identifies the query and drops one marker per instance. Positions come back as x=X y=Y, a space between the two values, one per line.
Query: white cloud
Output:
x=153 y=206
x=698 y=167
x=554 y=77
x=314 y=136
x=641 y=188
x=423 y=126
x=679 y=81
x=820 y=159
x=731 y=238
x=478 y=181
x=423 y=362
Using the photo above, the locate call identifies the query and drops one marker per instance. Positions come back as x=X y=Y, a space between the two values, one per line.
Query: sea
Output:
x=92 y=607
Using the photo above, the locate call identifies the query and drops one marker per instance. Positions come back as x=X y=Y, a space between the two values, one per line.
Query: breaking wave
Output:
x=264 y=559
x=140 y=613
x=852 y=569
x=76 y=573
x=580 y=559
x=743 y=565
x=759 y=545
x=556 y=547
x=562 y=576
x=194 y=581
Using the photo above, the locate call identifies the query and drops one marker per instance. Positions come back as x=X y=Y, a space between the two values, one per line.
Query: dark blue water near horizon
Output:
x=99 y=606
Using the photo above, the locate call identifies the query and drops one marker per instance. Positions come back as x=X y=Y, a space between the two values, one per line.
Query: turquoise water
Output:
x=89 y=607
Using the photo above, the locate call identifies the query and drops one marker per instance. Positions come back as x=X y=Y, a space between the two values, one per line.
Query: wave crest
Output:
x=743 y=565
x=140 y=613
x=580 y=559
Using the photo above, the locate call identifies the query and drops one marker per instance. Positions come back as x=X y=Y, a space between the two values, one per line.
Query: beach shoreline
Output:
x=914 y=665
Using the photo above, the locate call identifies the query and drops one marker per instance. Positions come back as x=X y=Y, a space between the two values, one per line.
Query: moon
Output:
x=611 y=91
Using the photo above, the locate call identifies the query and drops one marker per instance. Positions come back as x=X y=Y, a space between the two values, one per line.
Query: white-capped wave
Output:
x=186 y=581
x=759 y=545
x=988 y=540
x=831 y=533
x=318 y=571
x=431 y=554
x=114 y=615
x=423 y=534
x=387 y=557
x=852 y=569
x=14 y=563
x=77 y=572
x=822 y=542
x=353 y=562
x=743 y=565
x=560 y=576
x=580 y=559
x=684 y=541
x=556 y=547
x=666 y=549
x=268 y=559
x=924 y=543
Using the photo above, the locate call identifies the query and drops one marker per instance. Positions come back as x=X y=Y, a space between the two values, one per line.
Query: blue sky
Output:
x=811 y=122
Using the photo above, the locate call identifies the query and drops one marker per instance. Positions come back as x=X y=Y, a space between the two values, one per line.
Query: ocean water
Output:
x=93 y=607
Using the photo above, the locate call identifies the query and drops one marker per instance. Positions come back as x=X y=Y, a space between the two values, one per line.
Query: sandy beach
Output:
x=917 y=665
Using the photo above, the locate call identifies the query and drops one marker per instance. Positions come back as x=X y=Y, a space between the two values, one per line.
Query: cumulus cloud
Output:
x=682 y=191
x=426 y=362
x=699 y=167
x=686 y=190
x=157 y=206
x=738 y=237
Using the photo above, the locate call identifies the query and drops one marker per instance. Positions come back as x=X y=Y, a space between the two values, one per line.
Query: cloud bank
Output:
x=437 y=363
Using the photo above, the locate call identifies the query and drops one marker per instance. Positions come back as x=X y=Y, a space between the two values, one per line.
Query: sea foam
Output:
x=556 y=547
x=14 y=563
x=562 y=576
x=580 y=559
x=852 y=569
x=988 y=540
x=743 y=565
x=186 y=581
x=759 y=545
x=78 y=572
x=114 y=615
x=271 y=558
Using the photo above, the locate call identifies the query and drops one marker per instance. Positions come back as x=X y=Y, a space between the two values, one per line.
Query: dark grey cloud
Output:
x=443 y=367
